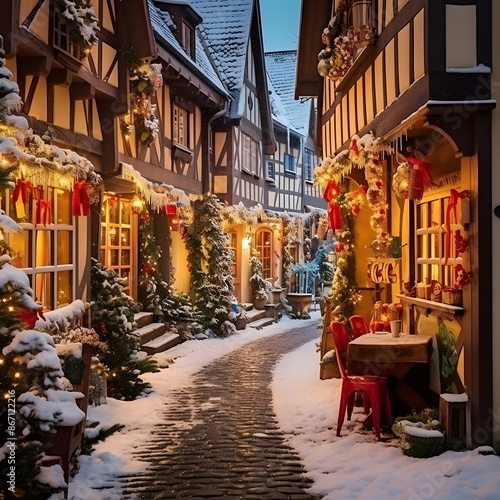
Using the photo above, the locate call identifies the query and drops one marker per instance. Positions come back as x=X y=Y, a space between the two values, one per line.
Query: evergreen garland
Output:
x=210 y=261
x=344 y=292
x=287 y=260
x=152 y=290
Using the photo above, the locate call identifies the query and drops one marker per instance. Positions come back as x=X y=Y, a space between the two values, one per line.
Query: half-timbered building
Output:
x=419 y=78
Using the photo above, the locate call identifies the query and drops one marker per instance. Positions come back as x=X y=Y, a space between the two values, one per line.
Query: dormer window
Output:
x=185 y=20
x=188 y=39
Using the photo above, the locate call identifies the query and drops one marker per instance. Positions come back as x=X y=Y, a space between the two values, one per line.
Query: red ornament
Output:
x=339 y=247
x=147 y=268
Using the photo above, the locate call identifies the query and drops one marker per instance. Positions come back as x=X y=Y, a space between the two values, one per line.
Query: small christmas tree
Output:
x=113 y=318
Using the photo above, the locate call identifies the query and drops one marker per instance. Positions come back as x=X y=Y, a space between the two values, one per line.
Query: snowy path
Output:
x=219 y=437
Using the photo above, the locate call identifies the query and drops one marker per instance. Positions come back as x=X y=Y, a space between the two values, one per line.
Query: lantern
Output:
x=363 y=33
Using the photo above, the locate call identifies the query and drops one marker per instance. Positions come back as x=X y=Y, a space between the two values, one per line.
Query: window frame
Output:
x=293 y=160
x=53 y=270
x=106 y=248
x=177 y=113
x=308 y=165
x=249 y=155
x=265 y=251
x=270 y=171
x=188 y=39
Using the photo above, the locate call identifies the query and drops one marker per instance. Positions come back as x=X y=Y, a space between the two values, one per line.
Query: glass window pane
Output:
x=113 y=236
x=103 y=256
x=44 y=291
x=44 y=248
x=64 y=288
x=103 y=235
x=20 y=244
x=125 y=257
x=125 y=212
x=64 y=247
x=63 y=199
x=114 y=257
x=114 y=208
x=125 y=237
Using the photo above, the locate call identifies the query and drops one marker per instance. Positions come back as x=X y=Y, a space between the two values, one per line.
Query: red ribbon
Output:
x=80 y=199
x=21 y=189
x=452 y=205
x=332 y=191
x=43 y=212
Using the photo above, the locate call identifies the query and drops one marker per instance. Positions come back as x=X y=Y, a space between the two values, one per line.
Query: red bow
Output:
x=332 y=191
x=80 y=199
x=21 y=189
x=422 y=166
x=462 y=277
x=43 y=212
x=30 y=317
x=452 y=205
x=354 y=147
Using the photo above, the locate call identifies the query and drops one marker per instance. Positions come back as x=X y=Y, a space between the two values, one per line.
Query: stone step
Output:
x=247 y=306
x=162 y=343
x=255 y=314
x=143 y=318
x=260 y=323
x=149 y=332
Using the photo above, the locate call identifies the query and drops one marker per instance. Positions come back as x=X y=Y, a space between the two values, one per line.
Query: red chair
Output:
x=373 y=387
x=359 y=325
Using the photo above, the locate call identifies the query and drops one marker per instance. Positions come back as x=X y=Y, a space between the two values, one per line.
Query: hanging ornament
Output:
x=339 y=247
x=80 y=199
x=401 y=181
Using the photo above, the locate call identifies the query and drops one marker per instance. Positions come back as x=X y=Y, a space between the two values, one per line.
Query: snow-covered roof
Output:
x=163 y=24
x=278 y=111
x=226 y=26
x=280 y=68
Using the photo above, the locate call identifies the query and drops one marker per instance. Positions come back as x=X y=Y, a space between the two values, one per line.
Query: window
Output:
x=116 y=238
x=45 y=253
x=61 y=39
x=180 y=126
x=188 y=39
x=290 y=164
x=270 y=170
x=436 y=255
x=233 y=240
x=308 y=165
x=249 y=154
x=264 y=247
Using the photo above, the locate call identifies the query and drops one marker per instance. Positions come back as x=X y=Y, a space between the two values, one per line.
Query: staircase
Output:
x=153 y=337
x=258 y=319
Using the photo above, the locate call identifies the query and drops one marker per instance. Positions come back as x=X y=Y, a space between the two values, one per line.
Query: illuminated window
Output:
x=45 y=253
x=433 y=263
x=264 y=247
x=116 y=239
x=233 y=246
x=180 y=126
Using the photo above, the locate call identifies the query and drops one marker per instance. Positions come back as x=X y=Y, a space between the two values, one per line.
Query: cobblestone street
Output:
x=220 y=438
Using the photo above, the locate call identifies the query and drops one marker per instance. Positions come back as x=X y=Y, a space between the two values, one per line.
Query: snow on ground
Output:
x=352 y=466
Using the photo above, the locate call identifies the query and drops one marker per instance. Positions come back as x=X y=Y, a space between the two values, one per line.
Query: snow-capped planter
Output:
x=300 y=303
x=419 y=439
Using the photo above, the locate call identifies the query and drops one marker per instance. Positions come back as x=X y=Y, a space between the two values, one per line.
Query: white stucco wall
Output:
x=495 y=79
